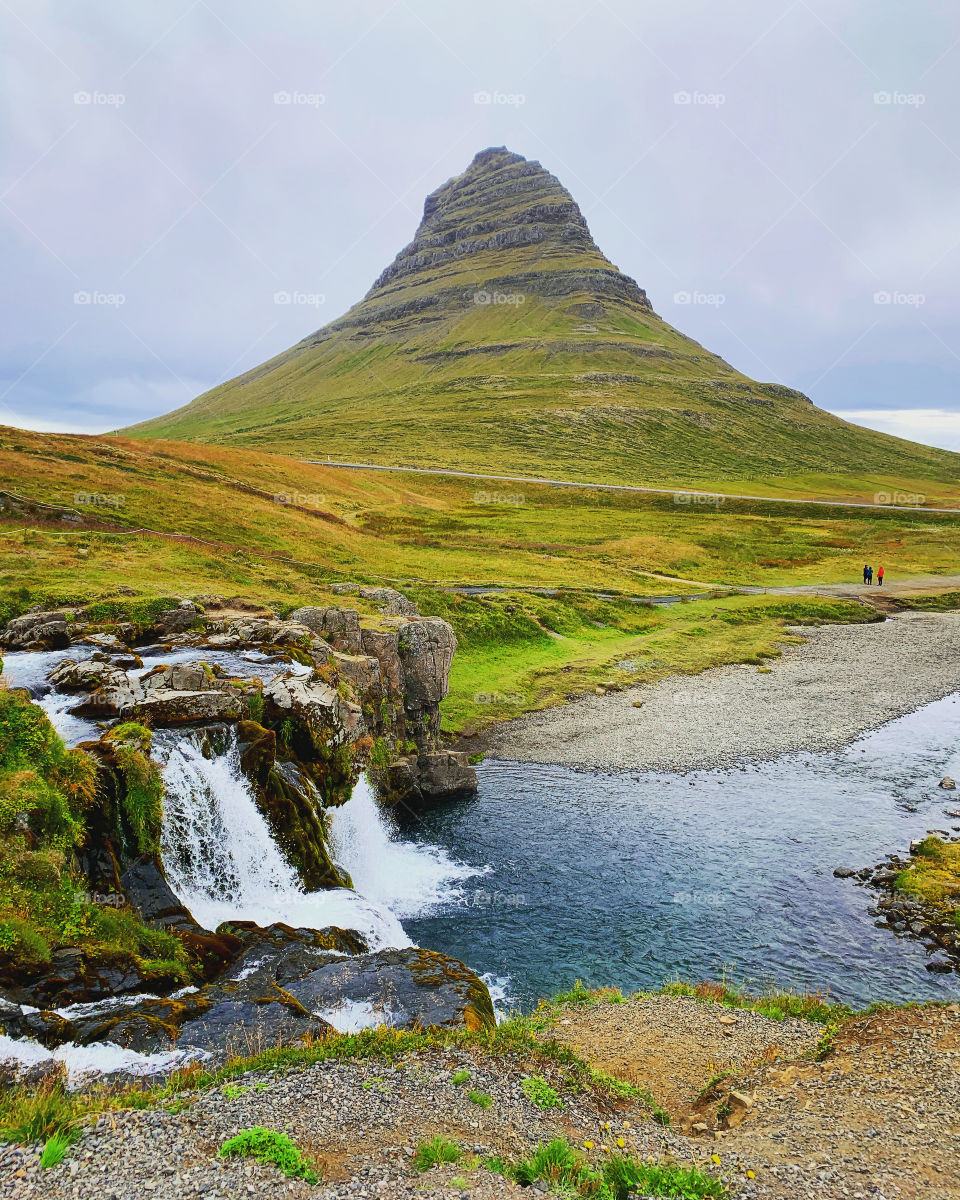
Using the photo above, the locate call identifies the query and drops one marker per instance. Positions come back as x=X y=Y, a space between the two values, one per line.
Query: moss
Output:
x=130 y=733
x=142 y=799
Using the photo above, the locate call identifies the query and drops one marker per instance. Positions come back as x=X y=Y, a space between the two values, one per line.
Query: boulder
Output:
x=426 y=648
x=383 y=645
x=338 y=626
x=404 y=988
x=947 y=784
x=431 y=776
x=37 y=630
x=362 y=672
x=390 y=602
x=179 y=619
x=329 y=718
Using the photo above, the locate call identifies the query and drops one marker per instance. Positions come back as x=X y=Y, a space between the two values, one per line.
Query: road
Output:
x=626 y=487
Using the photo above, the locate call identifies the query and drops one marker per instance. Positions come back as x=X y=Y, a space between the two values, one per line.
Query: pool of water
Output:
x=629 y=879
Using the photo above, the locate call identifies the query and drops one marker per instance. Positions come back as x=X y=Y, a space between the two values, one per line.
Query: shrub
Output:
x=267 y=1145
x=21 y=946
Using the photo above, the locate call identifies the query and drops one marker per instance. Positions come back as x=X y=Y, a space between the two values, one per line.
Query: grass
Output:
x=459 y=1078
x=566 y=1171
x=435 y=1153
x=46 y=795
x=269 y=1146
x=776 y=1005
x=55 y=1149
x=480 y=1099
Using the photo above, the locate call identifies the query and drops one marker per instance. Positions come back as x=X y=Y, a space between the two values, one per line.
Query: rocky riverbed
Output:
x=840 y=681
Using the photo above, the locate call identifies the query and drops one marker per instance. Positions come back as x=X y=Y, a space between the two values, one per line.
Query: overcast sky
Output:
x=168 y=168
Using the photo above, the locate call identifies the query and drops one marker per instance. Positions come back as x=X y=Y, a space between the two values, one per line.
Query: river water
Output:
x=632 y=879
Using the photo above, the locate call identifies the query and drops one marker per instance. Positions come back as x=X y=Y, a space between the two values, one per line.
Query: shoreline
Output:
x=819 y=695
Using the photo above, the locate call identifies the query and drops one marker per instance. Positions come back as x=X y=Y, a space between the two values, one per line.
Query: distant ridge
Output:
x=502 y=339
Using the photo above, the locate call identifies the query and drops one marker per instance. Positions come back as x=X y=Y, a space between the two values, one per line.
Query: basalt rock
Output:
x=338 y=626
x=428 y=777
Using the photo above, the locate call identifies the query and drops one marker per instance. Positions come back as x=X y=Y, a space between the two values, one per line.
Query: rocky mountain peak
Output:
x=502 y=204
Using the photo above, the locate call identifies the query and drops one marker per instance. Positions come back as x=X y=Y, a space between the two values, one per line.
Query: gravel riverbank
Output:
x=819 y=695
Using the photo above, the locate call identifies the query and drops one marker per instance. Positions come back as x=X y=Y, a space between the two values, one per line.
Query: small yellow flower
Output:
x=751 y=1174
x=588 y=1145
x=621 y=1143
x=716 y=1158
x=605 y=1149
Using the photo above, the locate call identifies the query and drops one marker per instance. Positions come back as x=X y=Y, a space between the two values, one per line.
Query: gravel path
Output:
x=841 y=681
x=361 y=1121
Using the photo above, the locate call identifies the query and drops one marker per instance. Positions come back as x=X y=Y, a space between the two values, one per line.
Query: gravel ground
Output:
x=841 y=681
x=360 y=1120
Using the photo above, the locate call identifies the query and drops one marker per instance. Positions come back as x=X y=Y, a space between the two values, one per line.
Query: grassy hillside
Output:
x=161 y=519
x=501 y=339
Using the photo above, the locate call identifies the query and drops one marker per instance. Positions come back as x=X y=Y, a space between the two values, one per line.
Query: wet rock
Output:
x=947 y=784
x=409 y=987
x=431 y=776
x=179 y=619
x=844 y=872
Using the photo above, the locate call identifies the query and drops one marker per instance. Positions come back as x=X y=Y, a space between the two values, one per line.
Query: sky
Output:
x=189 y=187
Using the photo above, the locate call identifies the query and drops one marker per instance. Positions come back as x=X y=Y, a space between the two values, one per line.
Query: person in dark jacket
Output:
x=865 y=572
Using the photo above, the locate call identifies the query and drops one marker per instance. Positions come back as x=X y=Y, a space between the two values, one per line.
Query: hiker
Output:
x=880 y=577
x=869 y=574
x=866 y=570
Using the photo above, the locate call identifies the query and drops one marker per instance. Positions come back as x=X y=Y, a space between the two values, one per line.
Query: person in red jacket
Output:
x=880 y=577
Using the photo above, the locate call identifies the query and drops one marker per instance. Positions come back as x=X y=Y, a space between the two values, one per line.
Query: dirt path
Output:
x=878 y=1118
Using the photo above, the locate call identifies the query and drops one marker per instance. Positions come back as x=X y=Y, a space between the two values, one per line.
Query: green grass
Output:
x=269 y=1146
x=436 y=1153
x=33 y=1115
x=566 y=1171
x=480 y=1099
x=55 y=1149
x=776 y=1005
x=937 y=602
x=460 y=1077
x=46 y=795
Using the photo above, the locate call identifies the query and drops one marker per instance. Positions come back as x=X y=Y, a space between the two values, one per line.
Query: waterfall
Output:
x=221 y=859
x=406 y=877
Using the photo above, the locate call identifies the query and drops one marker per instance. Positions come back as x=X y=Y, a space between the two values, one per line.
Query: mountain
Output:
x=501 y=339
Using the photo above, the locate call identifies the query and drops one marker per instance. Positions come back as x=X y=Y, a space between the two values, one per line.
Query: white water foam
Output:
x=99 y=1058
x=406 y=877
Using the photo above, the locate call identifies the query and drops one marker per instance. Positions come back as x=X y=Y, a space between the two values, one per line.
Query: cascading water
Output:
x=221 y=859
x=406 y=877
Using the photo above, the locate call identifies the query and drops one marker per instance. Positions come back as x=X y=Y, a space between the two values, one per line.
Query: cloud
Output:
x=931 y=426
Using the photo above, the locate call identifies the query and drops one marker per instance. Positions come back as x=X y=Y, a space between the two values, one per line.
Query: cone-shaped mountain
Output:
x=502 y=340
